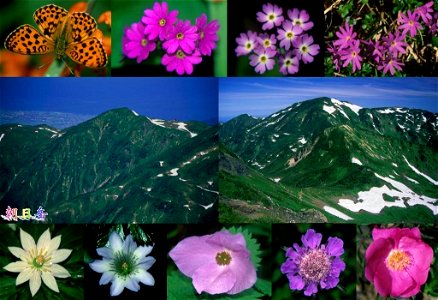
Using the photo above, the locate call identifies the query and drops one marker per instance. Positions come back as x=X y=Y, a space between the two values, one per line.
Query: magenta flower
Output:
x=181 y=62
x=398 y=261
x=288 y=34
x=183 y=35
x=267 y=41
x=313 y=263
x=207 y=34
x=289 y=64
x=135 y=44
x=390 y=65
x=425 y=11
x=345 y=36
x=351 y=55
x=217 y=263
x=306 y=50
x=263 y=59
x=395 y=44
x=336 y=57
x=271 y=16
x=246 y=43
x=300 y=19
x=409 y=23
x=158 y=20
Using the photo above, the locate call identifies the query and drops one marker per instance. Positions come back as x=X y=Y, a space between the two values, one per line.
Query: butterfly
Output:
x=62 y=34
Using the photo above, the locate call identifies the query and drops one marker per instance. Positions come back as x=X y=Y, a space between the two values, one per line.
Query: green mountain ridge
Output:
x=117 y=167
x=349 y=163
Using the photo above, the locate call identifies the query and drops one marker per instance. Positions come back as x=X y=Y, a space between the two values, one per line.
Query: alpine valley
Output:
x=326 y=160
x=119 y=167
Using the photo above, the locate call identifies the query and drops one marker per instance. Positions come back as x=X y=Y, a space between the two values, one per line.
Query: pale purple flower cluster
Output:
x=385 y=52
x=284 y=39
x=184 y=43
x=313 y=263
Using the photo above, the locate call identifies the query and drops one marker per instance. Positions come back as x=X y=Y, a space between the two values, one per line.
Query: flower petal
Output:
x=312 y=288
x=115 y=242
x=312 y=240
x=142 y=251
x=129 y=245
x=44 y=240
x=106 y=277
x=244 y=271
x=18 y=252
x=23 y=276
x=335 y=246
x=50 y=281
x=146 y=262
x=132 y=284
x=54 y=244
x=296 y=282
x=35 y=282
x=100 y=266
x=224 y=238
x=144 y=277
x=117 y=286
x=27 y=240
x=213 y=279
x=60 y=255
x=105 y=252
x=59 y=271
x=17 y=266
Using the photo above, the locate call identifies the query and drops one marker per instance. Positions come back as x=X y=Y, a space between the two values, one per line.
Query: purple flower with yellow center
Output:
x=313 y=264
x=207 y=34
x=391 y=64
x=217 y=263
x=246 y=43
x=288 y=34
x=183 y=35
x=345 y=36
x=300 y=19
x=158 y=20
x=306 y=50
x=336 y=57
x=409 y=23
x=135 y=44
x=395 y=44
x=267 y=41
x=271 y=16
x=425 y=12
x=351 y=55
x=181 y=62
x=289 y=64
x=263 y=59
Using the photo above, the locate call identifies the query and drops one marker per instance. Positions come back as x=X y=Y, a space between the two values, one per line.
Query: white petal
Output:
x=142 y=251
x=105 y=252
x=132 y=284
x=115 y=242
x=100 y=266
x=117 y=286
x=54 y=244
x=106 y=277
x=35 y=282
x=18 y=252
x=59 y=271
x=27 y=240
x=144 y=277
x=50 y=281
x=44 y=240
x=23 y=276
x=146 y=262
x=17 y=266
x=60 y=255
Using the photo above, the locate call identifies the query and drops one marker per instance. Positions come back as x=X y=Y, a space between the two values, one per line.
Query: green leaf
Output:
x=435 y=41
x=264 y=286
x=251 y=243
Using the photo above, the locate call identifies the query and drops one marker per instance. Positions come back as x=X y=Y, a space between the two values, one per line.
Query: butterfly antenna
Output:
x=68 y=67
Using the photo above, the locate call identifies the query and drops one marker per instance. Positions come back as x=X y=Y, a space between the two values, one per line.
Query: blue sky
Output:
x=165 y=98
x=263 y=96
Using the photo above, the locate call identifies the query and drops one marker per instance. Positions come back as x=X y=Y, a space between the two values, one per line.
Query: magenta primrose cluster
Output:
x=386 y=52
x=294 y=44
x=184 y=44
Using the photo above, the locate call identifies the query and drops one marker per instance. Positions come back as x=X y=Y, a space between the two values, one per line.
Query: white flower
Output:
x=39 y=261
x=124 y=264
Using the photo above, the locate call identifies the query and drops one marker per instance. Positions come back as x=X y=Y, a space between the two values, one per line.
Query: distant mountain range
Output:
x=119 y=167
x=329 y=160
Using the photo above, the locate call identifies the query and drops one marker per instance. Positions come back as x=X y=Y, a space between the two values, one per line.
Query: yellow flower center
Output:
x=288 y=62
x=162 y=22
x=180 y=54
x=263 y=58
x=144 y=42
x=201 y=35
x=180 y=36
x=304 y=49
x=398 y=260
x=248 y=45
x=267 y=43
x=223 y=258
x=290 y=35
x=271 y=17
x=298 y=22
x=38 y=261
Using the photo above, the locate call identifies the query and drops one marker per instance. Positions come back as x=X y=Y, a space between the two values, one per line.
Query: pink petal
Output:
x=244 y=271
x=402 y=284
x=422 y=256
x=375 y=256
x=235 y=242
x=213 y=279
x=382 y=280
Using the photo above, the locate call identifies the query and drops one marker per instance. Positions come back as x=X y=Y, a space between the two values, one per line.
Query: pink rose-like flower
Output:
x=217 y=263
x=181 y=62
x=158 y=20
x=398 y=261
x=207 y=34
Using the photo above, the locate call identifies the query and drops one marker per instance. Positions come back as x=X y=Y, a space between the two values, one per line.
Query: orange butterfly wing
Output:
x=27 y=40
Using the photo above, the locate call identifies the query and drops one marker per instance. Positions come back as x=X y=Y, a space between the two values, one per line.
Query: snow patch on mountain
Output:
x=276 y=180
x=420 y=173
x=329 y=109
x=182 y=126
x=302 y=140
x=135 y=113
x=412 y=180
x=353 y=107
x=47 y=129
x=354 y=160
x=395 y=165
x=161 y=163
x=336 y=213
x=2 y=136
x=157 y=122
x=174 y=172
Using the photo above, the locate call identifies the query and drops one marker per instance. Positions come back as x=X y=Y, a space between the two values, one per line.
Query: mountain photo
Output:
x=319 y=150
x=147 y=153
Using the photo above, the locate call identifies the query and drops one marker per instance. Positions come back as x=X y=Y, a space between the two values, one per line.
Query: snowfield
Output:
x=336 y=213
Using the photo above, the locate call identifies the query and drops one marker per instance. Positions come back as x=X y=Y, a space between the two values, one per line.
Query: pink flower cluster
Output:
x=385 y=52
x=294 y=45
x=184 y=43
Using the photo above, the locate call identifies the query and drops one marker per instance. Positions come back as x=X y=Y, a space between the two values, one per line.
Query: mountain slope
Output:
x=350 y=163
x=118 y=164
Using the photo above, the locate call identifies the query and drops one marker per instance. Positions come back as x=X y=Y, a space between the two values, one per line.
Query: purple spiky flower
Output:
x=313 y=264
